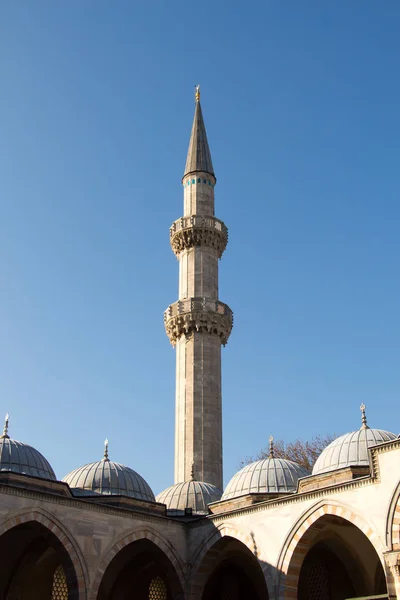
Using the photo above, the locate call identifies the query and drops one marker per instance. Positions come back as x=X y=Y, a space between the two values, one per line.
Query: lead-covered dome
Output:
x=351 y=449
x=109 y=478
x=270 y=475
x=21 y=458
x=196 y=495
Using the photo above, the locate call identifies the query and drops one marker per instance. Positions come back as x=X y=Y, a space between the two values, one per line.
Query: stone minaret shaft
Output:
x=198 y=323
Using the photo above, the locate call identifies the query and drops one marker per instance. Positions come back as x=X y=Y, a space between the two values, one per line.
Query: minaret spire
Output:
x=199 y=155
x=198 y=323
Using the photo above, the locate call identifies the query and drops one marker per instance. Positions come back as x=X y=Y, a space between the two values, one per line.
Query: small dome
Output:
x=351 y=449
x=21 y=458
x=196 y=495
x=266 y=476
x=108 y=477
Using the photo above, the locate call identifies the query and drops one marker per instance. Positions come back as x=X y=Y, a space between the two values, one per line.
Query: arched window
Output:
x=157 y=589
x=60 y=587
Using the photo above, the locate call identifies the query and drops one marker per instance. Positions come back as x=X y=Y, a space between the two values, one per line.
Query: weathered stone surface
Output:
x=198 y=439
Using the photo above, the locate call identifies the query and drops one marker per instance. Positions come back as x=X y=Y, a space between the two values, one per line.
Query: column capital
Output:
x=393 y=561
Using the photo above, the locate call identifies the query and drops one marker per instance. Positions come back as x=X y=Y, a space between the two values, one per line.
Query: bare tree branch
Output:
x=304 y=453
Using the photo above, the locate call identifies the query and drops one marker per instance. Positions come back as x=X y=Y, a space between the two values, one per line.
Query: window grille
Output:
x=157 y=589
x=319 y=582
x=60 y=587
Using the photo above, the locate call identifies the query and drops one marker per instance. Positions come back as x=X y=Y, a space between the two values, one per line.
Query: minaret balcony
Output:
x=198 y=230
x=191 y=315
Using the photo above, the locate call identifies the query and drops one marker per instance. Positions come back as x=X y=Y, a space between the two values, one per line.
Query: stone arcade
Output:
x=276 y=532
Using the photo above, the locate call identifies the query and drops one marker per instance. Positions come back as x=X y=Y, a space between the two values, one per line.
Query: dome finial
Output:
x=363 y=417
x=197 y=93
x=271 y=447
x=105 y=449
x=192 y=472
x=5 y=430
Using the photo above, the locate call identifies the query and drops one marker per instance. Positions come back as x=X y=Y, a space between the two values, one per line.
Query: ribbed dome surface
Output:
x=108 y=477
x=21 y=458
x=196 y=495
x=350 y=449
x=269 y=475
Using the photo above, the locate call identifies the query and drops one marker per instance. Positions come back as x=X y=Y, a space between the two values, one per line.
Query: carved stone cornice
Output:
x=186 y=317
x=198 y=230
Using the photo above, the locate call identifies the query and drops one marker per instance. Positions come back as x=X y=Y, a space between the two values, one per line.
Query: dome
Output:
x=351 y=449
x=266 y=476
x=196 y=495
x=109 y=478
x=21 y=458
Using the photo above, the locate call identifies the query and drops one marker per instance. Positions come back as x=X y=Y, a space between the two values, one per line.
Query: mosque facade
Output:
x=275 y=532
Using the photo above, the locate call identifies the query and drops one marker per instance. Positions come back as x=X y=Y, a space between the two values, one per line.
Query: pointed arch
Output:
x=206 y=554
x=393 y=521
x=222 y=530
x=300 y=537
x=48 y=521
x=141 y=533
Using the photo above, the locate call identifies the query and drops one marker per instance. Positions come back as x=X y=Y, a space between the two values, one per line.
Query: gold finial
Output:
x=5 y=430
x=363 y=417
x=271 y=447
x=197 y=93
x=192 y=472
x=105 y=449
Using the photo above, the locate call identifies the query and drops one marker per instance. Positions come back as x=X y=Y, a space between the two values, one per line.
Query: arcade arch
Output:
x=141 y=566
x=35 y=564
x=229 y=570
x=333 y=560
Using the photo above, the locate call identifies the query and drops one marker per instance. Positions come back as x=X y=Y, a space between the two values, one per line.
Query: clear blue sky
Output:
x=301 y=102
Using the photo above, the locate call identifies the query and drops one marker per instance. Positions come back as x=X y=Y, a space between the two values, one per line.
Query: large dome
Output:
x=21 y=458
x=351 y=449
x=266 y=476
x=196 y=495
x=109 y=478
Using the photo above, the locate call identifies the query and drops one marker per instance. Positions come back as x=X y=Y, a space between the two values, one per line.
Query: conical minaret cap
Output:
x=199 y=156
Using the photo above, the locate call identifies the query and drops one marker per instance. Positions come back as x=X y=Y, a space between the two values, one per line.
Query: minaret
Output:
x=198 y=323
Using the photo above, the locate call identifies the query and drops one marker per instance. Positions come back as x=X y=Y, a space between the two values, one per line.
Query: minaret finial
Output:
x=363 y=417
x=271 y=447
x=192 y=472
x=5 y=430
x=197 y=93
x=105 y=449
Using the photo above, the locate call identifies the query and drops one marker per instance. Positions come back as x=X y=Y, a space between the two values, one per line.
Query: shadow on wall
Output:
x=223 y=566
